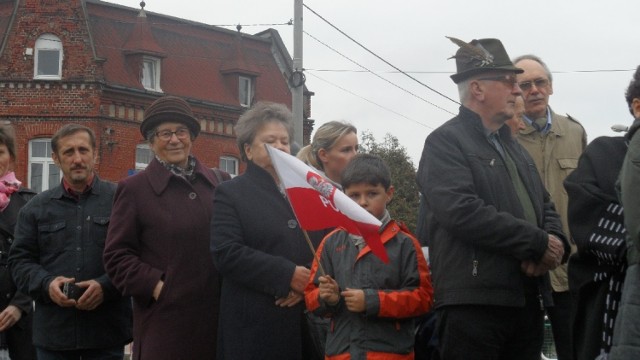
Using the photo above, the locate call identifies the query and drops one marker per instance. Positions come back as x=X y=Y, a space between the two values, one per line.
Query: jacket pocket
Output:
x=52 y=237
x=99 y=227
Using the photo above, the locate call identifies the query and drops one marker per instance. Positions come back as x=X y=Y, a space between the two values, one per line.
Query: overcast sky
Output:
x=590 y=46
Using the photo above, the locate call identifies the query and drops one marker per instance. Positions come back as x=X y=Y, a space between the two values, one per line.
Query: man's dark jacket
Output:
x=477 y=232
x=57 y=235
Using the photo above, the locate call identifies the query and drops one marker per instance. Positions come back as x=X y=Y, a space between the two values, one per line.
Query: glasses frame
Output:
x=180 y=133
x=539 y=83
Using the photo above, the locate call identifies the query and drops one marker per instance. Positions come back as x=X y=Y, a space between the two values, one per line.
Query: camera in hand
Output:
x=72 y=291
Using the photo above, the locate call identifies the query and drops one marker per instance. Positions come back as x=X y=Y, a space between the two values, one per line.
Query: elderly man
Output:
x=493 y=231
x=56 y=258
x=555 y=143
x=516 y=123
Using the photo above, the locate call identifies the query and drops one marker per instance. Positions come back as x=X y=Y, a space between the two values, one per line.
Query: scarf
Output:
x=8 y=185
x=186 y=174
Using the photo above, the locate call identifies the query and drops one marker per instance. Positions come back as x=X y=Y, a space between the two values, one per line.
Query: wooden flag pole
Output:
x=313 y=251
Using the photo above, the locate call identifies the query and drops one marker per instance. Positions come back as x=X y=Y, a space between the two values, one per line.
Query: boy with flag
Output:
x=372 y=304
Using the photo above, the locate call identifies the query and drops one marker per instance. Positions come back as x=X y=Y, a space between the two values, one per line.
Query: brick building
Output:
x=102 y=64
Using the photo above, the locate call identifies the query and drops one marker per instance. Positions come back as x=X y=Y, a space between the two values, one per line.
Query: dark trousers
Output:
x=484 y=332
x=19 y=339
x=116 y=353
x=560 y=318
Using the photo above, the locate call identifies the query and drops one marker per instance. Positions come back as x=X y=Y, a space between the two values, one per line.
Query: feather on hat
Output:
x=480 y=56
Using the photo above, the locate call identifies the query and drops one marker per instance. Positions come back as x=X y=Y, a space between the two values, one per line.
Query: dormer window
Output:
x=48 y=58
x=246 y=91
x=151 y=73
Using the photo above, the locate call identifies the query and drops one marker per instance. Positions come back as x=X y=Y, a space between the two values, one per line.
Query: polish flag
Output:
x=318 y=204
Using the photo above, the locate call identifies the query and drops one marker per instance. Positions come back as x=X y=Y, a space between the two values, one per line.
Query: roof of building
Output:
x=197 y=59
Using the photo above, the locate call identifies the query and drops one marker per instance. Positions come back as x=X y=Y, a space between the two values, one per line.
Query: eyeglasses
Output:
x=509 y=79
x=165 y=135
x=539 y=83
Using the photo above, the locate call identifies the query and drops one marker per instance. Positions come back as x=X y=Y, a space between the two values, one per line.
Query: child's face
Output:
x=373 y=198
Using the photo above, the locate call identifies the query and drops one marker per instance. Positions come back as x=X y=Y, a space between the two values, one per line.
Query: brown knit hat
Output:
x=168 y=109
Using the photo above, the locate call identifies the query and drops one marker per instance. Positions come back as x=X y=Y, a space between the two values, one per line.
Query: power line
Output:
x=449 y=72
x=379 y=57
x=378 y=76
x=371 y=101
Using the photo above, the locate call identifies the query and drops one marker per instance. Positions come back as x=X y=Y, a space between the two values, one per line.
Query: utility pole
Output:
x=297 y=77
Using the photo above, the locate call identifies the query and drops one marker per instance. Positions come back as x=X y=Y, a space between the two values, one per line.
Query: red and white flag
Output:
x=318 y=204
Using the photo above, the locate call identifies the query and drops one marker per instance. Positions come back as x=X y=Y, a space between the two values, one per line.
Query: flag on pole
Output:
x=318 y=204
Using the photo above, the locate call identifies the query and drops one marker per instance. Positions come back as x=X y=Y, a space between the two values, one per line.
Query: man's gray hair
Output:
x=536 y=59
x=463 y=90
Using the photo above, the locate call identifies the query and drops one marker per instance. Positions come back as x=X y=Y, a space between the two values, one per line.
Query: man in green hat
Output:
x=493 y=233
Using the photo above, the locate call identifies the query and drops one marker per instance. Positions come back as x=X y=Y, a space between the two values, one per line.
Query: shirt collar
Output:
x=75 y=194
x=547 y=126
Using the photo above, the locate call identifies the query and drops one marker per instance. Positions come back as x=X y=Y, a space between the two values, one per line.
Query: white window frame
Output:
x=224 y=166
x=48 y=43
x=46 y=161
x=143 y=147
x=245 y=90
x=151 y=71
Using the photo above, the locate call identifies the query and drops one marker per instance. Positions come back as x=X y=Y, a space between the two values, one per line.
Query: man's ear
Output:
x=476 y=90
x=55 y=158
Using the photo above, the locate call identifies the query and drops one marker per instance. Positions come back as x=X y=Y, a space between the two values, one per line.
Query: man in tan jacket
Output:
x=555 y=143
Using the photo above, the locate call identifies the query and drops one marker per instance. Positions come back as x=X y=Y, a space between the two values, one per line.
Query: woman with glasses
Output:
x=157 y=247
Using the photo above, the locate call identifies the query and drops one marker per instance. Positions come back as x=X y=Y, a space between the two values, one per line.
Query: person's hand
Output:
x=300 y=279
x=292 y=299
x=552 y=257
x=354 y=300
x=9 y=317
x=157 y=290
x=56 y=294
x=329 y=291
x=531 y=268
x=92 y=297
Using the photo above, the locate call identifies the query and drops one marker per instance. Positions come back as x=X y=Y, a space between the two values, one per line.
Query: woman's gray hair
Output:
x=256 y=117
x=325 y=137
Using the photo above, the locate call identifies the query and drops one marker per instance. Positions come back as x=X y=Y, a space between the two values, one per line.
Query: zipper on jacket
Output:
x=541 y=302
x=474 y=272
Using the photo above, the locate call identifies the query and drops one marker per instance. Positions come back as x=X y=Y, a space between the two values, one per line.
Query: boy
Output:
x=372 y=304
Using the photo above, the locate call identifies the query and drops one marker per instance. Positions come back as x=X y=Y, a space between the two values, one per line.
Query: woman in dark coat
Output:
x=16 y=308
x=259 y=249
x=157 y=247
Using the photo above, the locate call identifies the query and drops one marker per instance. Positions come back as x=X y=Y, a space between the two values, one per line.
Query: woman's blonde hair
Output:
x=325 y=137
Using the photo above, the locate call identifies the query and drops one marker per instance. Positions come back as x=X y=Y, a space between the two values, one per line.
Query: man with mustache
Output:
x=56 y=258
x=555 y=143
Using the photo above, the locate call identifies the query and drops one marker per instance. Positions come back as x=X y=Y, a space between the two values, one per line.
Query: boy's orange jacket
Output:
x=395 y=293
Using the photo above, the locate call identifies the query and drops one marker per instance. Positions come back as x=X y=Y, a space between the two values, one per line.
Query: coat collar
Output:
x=59 y=191
x=557 y=127
x=159 y=177
x=469 y=115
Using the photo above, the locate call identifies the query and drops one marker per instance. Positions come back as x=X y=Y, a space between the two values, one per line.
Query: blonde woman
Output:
x=332 y=147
